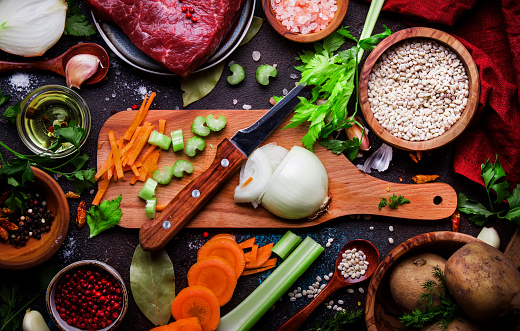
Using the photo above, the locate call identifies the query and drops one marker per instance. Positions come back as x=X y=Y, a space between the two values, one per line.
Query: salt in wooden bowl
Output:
x=472 y=100
x=381 y=311
x=36 y=251
x=309 y=37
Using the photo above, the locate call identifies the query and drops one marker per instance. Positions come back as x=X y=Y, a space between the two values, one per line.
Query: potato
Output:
x=483 y=281
x=458 y=324
x=408 y=277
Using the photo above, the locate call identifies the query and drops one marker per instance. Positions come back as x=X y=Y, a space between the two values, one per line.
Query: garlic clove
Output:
x=489 y=236
x=80 y=68
x=356 y=131
x=33 y=321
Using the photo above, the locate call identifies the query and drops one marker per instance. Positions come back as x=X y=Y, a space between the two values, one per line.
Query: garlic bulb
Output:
x=33 y=321
x=31 y=27
x=299 y=187
x=80 y=68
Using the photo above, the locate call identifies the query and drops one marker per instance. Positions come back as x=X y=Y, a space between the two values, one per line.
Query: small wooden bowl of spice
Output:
x=419 y=89
x=37 y=232
x=381 y=311
x=305 y=21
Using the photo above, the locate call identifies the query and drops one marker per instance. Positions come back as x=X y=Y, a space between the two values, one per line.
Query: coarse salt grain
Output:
x=246 y=107
x=256 y=55
x=304 y=16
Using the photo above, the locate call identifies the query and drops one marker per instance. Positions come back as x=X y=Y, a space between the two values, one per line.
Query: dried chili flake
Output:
x=413 y=157
x=6 y=224
x=3 y=233
x=72 y=195
x=81 y=215
x=455 y=222
x=421 y=179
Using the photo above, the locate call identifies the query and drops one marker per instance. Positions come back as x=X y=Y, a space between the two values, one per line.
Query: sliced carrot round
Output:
x=200 y=302
x=186 y=324
x=216 y=274
x=226 y=249
x=224 y=236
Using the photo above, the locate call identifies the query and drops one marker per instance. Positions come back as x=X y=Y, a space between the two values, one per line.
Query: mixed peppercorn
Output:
x=16 y=228
x=88 y=298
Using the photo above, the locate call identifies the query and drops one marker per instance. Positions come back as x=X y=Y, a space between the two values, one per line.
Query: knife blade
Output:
x=230 y=156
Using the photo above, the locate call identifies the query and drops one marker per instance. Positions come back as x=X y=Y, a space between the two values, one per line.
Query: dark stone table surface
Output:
x=125 y=86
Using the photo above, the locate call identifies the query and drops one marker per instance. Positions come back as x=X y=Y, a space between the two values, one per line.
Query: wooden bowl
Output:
x=381 y=312
x=36 y=251
x=310 y=37
x=473 y=98
x=85 y=265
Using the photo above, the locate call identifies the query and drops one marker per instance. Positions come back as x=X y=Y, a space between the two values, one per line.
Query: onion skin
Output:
x=299 y=187
x=31 y=27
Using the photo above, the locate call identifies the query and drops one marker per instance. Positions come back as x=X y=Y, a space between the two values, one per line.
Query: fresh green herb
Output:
x=339 y=321
x=4 y=98
x=77 y=23
x=395 y=201
x=351 y=147
x=11 y=113
x=493 y=175
x=443 y=313
x=238 y=74
x=199 y=84
x=104 y=216
x=263 y=73
x=335 y=77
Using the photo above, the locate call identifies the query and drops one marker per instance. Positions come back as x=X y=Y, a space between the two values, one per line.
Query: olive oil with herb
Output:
x=47 y=110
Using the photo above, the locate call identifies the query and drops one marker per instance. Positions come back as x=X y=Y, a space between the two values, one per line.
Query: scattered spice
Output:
x=72 y=195
x=421 y=179
x=413 y=157
x=81 y=216
x=455 y=222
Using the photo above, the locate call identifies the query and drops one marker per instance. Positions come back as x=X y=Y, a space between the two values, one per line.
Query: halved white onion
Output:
x=254 y=176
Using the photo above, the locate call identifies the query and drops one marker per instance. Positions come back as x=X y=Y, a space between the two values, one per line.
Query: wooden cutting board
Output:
x=353 y=192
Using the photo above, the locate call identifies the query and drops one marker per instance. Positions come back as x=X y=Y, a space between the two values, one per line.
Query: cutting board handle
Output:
x=156 y=234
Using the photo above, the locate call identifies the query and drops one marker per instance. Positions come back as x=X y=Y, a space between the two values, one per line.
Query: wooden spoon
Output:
x=58 y=64
x=337 y=281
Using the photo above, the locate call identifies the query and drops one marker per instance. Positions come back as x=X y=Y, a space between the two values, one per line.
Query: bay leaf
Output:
x=152 y=281
x=256 y=24
x=197 y=85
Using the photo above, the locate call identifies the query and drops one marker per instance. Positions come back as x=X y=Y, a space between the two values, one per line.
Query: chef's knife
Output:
x=230 y=155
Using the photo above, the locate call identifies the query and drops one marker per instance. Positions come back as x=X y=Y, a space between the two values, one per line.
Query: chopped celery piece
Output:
x=151 y=204
x=263 y=73
x=238 y=74
x=177 y=140
x=215 y=124
x=286 y=244
x=198 y=126
x=193 y=144
x=249 y=311
x=160 y=140
x=148 y=190
x=182 y=166
x=163 y=177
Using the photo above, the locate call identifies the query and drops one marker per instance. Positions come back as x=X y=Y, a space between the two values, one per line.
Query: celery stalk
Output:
x=370 y=22
x=286 y=244
x=249 y=311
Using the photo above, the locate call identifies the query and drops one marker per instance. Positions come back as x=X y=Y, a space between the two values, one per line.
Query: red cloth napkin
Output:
x=490 y=30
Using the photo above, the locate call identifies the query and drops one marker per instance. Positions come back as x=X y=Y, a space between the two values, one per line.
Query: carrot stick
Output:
x=102 y=188
x=139 y=144
x=135 y=170
x=116 y=154
x=132 y=141
x=135 y=122
x=134 y=180
x=161 y=207
x=264 y=253
x=252 y=256
x=162 y=127
x=148 y=164
x=271 y=263
x=247 y=243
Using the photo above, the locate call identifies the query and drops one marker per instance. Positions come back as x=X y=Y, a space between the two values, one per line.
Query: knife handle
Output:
x=184 y=206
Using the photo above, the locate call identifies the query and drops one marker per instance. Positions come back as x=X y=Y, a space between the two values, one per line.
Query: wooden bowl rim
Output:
x=392 y=257
x=48 y=184
x=473 y=98
x=51 y=288
x=310 y=37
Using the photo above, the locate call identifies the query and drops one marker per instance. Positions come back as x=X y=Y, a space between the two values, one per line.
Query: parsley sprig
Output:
x=493 y=175
x=334 y=75
x=444 y=313
x=393 y=202
x=17 y=172
x=77 y=23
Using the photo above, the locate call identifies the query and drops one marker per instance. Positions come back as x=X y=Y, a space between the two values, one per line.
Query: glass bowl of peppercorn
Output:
x=30 y=235
x=87 y=295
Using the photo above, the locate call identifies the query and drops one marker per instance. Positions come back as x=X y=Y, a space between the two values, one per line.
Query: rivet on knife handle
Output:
x=155 y=234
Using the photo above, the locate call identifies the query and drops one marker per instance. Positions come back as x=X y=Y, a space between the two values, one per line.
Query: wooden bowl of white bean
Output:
x=419 y=89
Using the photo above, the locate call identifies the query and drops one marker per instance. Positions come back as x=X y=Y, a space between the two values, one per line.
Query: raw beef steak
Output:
x=161 y=29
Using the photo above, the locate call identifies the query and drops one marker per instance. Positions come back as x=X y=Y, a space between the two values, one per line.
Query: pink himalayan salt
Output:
x=304 y=16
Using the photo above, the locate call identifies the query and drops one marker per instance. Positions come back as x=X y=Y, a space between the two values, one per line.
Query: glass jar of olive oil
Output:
x=46 y=107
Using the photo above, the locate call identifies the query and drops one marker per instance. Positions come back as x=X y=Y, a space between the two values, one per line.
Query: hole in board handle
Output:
x=437 y=200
